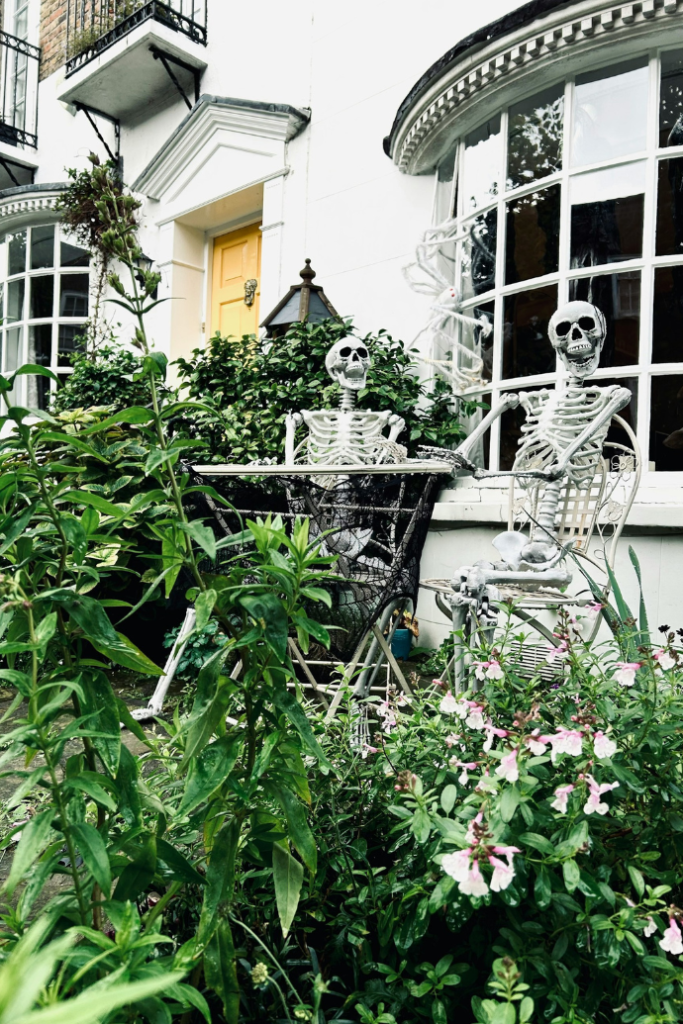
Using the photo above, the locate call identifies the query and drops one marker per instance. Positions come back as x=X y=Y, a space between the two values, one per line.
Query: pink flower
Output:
x=672 y=941
x=557 y=652
x=565 y=741
x=466 y=766
x=507 y=851
x=596 y=789
x=367 y=749
x=449 y=705
x=474 y=884
x=386 y=713
x=536 y=743
x=488 y=669
x=626 y=672
x=650 y=928
x=475 y=719
x=491 y=731
x=457 y=864
x=508 y=768
x=452 y=739
x=561 y=798
x=603 y=745
x=502 y=874
x=471 y=837
x=665 y=659
x=595 y=606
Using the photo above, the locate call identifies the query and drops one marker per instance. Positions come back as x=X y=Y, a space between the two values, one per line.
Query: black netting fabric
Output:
x=375 y=524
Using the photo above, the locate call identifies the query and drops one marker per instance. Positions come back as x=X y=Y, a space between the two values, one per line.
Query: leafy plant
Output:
x=199 y=649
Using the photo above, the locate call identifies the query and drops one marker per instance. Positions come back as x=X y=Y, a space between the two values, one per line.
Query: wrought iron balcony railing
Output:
x=95 y=25
x=19 y=67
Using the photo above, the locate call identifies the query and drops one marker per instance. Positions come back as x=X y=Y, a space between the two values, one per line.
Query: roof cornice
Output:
x=25 y=202
x=459 y=91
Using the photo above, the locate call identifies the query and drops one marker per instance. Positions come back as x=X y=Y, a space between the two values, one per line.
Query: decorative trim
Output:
x=275 y=121
x=464 y=90
x=27 y=202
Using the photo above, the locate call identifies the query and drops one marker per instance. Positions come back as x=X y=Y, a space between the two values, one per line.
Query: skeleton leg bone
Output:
x=170 y=668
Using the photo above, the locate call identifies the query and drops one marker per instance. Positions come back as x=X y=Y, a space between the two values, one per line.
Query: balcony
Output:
x=127 y=57
x=19 y=64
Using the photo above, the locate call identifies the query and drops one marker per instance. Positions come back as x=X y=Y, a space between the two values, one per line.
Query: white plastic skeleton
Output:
x=562 y=440
x=425 y=277
x=345 y=436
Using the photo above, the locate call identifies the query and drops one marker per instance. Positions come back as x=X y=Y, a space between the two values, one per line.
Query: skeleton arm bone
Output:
x=396 y=427
x=459 y=456
x=293 y=420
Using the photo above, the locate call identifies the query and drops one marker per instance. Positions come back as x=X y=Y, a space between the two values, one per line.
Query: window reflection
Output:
x=667 y=315
x=666 y=423
x=70 y=342
x=532 y=242
x=610 y=113
x=618 y=296
x=17 y=253
x=40 y=344
x=74 y=295
x=670 y=208
x=478 y=267
x=526 y=348
x=473 y=414
x=15 y=300
x=476 y=339
x=607 y=215
x=671 y=100
x=617 y=435
x=482 y=165
x=42 y=295
x=535 y=137
x=42 y=247
x=510 y=432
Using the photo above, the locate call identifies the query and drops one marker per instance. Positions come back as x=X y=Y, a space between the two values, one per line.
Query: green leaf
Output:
x=298 y=828
x=100 y=701
x=542 y=888
x=220 y=878
x=448 y=797
x=34 y=839
x=572 y=875
x=203 y=607
x=87 y=613
x=137 y=876
x=93 y=790
x=16 y=530
x=286 y=702
x=538 y=842
x=288 y=876
x=220 y=971
x=127 y=783
x=526 y=1009
x=439 y=1012
x=178 y=866
x=208 y=771
x=637 y=880
x=509 y=802
x=209 y=705
x=201 y=535
x=94 y=853
x=271 y=615
x=635 y=943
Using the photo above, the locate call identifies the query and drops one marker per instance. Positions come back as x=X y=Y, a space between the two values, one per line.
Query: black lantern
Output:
x=305 y=301
x=144 y=264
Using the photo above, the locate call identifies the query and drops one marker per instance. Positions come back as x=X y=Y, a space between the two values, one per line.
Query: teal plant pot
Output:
x=401 y=642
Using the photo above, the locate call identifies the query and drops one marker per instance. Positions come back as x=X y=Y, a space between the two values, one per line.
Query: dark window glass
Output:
x=17 y=253
x=73 y=255
x=618 y=296
x=479 y=255
x=70 y=342
x=474 y=413
x=670 y=208
x=535 y=137
x=42 y=295
x=510 y=433
x=666 y=423
x=445 y=206
x=477 y=339
x=610 y=113
x=40 y=344
x=42 y=248
x=667 y=316
x=616 y=434
x=74 y=295
x=482 y=165
x=15 y=299
x=533 y=235
x=526 y=348
x=607 y=231
x=671 y=100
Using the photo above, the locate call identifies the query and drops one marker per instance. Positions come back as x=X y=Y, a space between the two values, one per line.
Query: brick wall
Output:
x=52 y=35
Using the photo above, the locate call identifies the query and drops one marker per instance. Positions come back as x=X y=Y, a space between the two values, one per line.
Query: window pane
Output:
x=607 y=215
x=610 y=113
x=535 y=137
x=670 y=208
x=478 y=340
x=444 y=187
x=482 y=165
x=533 y=235
x=666 y=423
x=70 y=342
x=480 y=453
x=74 y=295
x=671 y=100
x=42 y=295
x=510 y=433
x=42 y=247
x=667 y=316
x=618 y=296
x=73 y=255
x=478 y=266
x=616 y=434
x=526 y=348
x=17 y=252
x=40 y=344
x=15 y=300
x=13 y=349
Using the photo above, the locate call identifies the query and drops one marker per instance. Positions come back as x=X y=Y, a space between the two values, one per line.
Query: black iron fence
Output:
x=19 y=66
x=94 y=25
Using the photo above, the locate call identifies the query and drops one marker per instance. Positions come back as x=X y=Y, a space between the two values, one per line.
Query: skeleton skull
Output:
x=348 y=363
x=577 y=333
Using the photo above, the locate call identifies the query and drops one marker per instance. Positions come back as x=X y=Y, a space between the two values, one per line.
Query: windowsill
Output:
x=465 y=502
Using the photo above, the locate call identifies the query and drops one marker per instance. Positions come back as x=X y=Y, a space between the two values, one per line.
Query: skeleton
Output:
x=424 y=276
x=345 y=436
x=561 y=441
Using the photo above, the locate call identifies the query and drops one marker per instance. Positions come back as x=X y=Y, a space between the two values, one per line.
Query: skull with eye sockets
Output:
x=577 y=333
x=348 y=363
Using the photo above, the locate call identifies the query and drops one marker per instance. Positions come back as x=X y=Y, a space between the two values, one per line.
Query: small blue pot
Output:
x=401 y=642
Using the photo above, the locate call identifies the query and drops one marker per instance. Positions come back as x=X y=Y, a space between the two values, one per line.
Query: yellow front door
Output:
x=235 y=297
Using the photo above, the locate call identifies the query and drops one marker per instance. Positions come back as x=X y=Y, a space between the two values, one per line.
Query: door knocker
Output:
x=250 y=291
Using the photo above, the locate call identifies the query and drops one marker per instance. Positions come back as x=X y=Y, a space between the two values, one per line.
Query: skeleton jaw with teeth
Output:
x=577 y=333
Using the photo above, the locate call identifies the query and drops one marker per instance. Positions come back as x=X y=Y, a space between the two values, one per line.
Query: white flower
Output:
x=474 y=884
x=508 y=768
x=494 y=670
x=665 y=659
x=492 y=731
x=479 y=667
x=475 y=719
x=650 y=928
x=593 y=805
x=561 y=798
x=457 y=864
x=564 y=741
x=502 y=874
x=672 y=941
x=626 y=672
x=449 y=704
x=536 y=746
x=603 y=745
